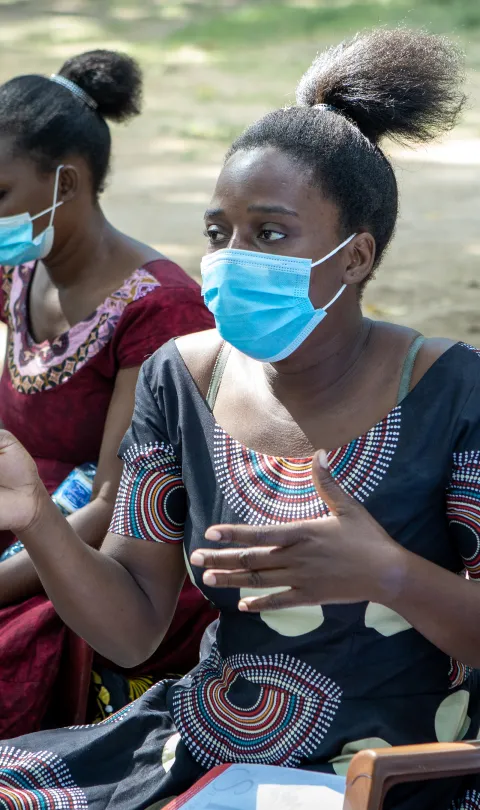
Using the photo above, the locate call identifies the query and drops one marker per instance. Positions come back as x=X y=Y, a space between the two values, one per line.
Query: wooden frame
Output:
x=373 y=772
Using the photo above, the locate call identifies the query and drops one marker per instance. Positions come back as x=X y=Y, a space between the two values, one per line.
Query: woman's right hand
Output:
x=21 y=489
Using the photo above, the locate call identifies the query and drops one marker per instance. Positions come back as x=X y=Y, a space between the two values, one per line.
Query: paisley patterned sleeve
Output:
x=463 y=492
x=4 y=289
x=151 y=501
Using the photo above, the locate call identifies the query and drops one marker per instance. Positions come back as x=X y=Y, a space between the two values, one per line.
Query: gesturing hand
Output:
x=20 y=485
x=346 y=557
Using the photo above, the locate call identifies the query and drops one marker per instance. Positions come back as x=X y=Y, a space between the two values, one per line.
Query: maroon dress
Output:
x=54 y=397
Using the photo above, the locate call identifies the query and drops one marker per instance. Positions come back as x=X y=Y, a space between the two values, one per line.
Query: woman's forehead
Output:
x=13 y=164
x=265 y=177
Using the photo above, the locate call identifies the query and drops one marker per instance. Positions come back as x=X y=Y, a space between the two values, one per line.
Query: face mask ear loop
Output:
x=328 y=256
x=55 y=195
x=335 y=250
x=56 y=204
x=342 y=288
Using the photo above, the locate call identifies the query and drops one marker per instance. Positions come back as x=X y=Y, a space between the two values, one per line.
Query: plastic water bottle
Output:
x=76 y=490
x=12 y=550
x=73 y=493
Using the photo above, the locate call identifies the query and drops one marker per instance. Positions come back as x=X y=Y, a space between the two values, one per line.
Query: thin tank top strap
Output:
x=403 y=388
x=217 y=374
x=407 y=370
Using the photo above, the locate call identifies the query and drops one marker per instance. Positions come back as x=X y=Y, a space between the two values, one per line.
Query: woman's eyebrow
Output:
x=213 y=212
x=261 y=209
x=272 y=209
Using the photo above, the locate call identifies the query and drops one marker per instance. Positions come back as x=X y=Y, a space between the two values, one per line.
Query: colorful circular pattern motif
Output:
x=471 y=801
x=288 y=712
x=458 y=673
x=160 y=498
x=37 y=781
x=151 y=501
x=463 y=508
x=267 y=489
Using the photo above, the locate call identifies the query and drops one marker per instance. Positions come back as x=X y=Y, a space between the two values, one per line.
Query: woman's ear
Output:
x=68 y=183
x=362 y=256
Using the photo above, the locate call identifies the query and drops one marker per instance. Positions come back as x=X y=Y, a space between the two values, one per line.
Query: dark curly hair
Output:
x=397 y=83
x=47 y=121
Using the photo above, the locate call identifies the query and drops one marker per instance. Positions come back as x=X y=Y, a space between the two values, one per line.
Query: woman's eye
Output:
x=271 y=236
x=215 y=235
x=3 y=193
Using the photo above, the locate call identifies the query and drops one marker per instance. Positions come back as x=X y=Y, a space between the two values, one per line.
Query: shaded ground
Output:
x=211 y=68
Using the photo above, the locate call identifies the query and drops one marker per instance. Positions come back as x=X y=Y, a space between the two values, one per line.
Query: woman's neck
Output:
x=321 y=367
x=79 y=257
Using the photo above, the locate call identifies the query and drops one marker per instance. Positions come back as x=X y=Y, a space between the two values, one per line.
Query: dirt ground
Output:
x=166 y=161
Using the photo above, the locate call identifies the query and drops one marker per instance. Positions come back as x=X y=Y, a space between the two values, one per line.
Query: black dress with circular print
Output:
x=300 y=687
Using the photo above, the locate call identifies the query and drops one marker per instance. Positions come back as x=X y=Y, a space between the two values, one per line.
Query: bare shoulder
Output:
x=394 y=341
x=431 y=350
x=137 y=253
x=199 y=352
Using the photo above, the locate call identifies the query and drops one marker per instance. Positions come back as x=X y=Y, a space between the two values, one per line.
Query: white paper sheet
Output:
x=264 y=787
x=298 y=797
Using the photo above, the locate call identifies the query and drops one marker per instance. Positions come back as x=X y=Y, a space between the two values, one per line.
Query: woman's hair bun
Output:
x=398 y=83
x=113 y=80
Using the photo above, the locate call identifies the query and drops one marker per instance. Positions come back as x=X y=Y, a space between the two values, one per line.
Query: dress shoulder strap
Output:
x=407 y=370
x=403 y=389
x=217 y=374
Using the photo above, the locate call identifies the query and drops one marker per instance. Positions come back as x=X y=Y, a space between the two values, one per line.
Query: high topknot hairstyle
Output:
x=401 y=84
x=48 y=122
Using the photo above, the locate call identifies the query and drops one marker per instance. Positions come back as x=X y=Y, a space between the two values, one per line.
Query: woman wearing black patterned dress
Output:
x=316 y=474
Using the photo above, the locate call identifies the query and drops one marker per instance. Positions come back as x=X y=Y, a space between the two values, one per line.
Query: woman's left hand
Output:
x=346 y=557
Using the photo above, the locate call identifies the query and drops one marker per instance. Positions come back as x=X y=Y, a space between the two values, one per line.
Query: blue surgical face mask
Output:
x=17 y=243
x=260 y=301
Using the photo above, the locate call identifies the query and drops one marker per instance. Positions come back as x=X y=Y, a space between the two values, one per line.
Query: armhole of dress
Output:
x=217 y=374
x=407 y=370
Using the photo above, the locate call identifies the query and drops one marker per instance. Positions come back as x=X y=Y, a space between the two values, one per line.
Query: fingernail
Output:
x=209 y=578
x=243 y=607
x=323 y=459
x=212 y=534
x=197 y=558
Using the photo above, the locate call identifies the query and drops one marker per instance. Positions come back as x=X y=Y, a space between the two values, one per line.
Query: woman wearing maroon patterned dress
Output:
x=84 y=305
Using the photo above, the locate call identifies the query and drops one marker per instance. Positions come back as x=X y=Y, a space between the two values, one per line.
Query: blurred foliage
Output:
x=219 y=25
x=263 y=21
x=210 y=54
